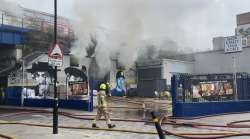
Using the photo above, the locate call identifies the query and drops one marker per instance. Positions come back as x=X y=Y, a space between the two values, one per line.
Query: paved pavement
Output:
x=34 y=132
x=28 y=132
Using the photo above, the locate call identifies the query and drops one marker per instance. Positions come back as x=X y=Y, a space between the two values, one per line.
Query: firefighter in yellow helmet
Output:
x=102 y=107
x=108 y=89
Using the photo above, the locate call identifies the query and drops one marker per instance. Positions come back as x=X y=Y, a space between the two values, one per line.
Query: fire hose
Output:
x=183 y=134
x=180 y=134
x=138 y=101
x=86 y=117
x=107 y=129
x=235 y=124
x=238 y=124
x=74 y=127
x=209 y=135
x=6 y=136
x=206 y=116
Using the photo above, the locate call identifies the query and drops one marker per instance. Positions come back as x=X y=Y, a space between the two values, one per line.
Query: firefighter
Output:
x=2 y=97
x=108 y=89
x=102 y=107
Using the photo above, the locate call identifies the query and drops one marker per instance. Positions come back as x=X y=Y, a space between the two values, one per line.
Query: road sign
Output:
x=233 y=44
x=55 y=56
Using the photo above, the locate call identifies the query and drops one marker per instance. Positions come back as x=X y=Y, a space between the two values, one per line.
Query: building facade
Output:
x=221 y=62
x=14 y=32
x=155 y=75
x=217 y=61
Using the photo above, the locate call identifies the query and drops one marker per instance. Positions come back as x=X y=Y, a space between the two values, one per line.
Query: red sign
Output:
x=55 y=56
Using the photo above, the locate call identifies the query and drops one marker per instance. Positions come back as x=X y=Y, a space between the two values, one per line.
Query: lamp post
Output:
x=22 y=95
x=55 y=107
x=235 y=77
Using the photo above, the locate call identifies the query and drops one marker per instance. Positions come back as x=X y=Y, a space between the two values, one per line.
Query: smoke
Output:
x=131 y=30
x=11 y=7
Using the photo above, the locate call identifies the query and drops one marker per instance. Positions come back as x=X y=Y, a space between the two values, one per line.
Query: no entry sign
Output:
x=55 y=56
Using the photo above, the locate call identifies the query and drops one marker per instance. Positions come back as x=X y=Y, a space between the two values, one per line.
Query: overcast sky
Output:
x=208 y=19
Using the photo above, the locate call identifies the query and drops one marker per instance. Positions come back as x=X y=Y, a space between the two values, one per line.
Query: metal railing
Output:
x=35 y=23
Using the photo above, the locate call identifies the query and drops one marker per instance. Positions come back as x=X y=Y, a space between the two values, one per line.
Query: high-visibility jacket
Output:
x=101 y=99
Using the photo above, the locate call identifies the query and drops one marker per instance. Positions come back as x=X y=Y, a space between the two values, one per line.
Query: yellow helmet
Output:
x=102 y=86
x=120 y=73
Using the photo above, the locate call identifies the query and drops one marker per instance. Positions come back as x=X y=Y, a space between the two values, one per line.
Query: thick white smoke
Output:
x=117 y=28
x=124 y=28
x=11 y=7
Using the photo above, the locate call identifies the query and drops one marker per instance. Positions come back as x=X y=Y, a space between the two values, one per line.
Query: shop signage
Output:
x=233 y=44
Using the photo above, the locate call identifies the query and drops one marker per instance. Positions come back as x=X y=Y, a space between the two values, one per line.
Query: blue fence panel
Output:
x=174 y=95
x=210 y=107
x=13 y=96
x=38 y=102
x=13 y=92
x=91 y=102
x=248 y=88
x=74 y=104
x=13 y=102
x=69 y=104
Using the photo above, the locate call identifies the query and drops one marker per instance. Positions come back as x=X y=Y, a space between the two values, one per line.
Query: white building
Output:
x=220 y=62
x=217 y=61
x=163 y=69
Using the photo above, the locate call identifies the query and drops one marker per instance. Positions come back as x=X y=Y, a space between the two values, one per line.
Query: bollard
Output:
x=158 y=126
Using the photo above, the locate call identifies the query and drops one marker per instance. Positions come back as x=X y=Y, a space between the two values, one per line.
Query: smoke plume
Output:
x=11 y=7
x=130 y=30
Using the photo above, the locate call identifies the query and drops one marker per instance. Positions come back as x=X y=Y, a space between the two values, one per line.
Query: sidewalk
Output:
x=31 y=132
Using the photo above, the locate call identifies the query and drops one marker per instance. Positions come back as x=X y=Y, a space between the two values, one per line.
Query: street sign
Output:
x=55 y=56
x=233 y=44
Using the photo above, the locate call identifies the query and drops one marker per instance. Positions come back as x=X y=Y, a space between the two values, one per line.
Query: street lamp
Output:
x=55 y=107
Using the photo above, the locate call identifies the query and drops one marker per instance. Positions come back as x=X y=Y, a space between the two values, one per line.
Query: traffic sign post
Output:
x=233 y=44
x=55 y=58
x=55 y=106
